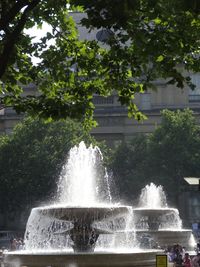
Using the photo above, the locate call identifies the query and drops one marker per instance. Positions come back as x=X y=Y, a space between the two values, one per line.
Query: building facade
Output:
x=114 y=124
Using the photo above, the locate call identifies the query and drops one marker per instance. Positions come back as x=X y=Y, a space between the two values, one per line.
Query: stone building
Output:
x=113 y=122
x=114 y=125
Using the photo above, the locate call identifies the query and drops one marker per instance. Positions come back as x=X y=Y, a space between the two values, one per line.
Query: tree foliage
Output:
x=174 y=149
x=128 y=164
x=31 y=160
x=149 y=40
x=165 y=157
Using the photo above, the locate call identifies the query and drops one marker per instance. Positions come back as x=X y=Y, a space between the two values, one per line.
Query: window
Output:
x=194 y=95
x=99 y=100
x=145 y=101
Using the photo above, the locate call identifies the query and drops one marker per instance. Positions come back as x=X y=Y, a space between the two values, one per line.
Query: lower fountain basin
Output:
x=168 y=237
x=99 y=259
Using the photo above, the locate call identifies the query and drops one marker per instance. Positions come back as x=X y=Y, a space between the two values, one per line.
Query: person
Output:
x=13 y=245
x=178 y=261
x=20 y=244
x=1 y=256
x=196 y=261
x=183 y=252
x=198 y=246
x=187 y=260
x=172 y=254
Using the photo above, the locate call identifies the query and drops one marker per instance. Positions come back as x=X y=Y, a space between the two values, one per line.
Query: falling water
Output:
x=40 y=232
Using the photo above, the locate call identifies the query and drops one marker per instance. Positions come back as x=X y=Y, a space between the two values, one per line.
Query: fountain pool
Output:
x=86 y=227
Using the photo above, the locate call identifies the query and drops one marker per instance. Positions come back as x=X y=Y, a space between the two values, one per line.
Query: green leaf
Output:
x=157 y=21
x=160 y=58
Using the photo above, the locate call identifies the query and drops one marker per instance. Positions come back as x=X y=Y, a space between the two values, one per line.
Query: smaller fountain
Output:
x=153 y=212
x=162 y=224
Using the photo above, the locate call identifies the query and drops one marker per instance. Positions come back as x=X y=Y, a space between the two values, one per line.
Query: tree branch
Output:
x=11 y=39
x=8 y=16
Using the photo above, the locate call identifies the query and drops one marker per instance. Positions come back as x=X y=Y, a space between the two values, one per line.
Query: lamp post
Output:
x=193 y=181
x=196 y=182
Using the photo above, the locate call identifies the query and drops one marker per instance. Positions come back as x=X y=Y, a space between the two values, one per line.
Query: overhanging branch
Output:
x=12 y=38
x=7 y=16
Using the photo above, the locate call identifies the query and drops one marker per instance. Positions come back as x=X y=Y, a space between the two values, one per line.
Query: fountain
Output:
x=155 y=219
x=84 y=227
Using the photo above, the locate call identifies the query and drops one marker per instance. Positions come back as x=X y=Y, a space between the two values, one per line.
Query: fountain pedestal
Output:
x=84 y=237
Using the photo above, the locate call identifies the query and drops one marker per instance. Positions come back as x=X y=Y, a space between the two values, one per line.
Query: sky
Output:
x=38 y=34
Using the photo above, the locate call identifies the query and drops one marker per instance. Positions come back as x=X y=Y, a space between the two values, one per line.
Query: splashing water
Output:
x=84 y=181
x=152 y=196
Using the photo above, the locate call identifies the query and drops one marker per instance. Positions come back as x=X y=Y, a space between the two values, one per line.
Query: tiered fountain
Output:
x=154 y=219
x=82 y=227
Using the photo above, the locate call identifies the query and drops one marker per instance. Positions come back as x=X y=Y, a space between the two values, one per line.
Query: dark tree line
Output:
x=31 y=159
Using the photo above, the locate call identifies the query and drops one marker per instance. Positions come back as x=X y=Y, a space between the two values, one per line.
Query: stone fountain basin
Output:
x=83 y=213
x=153 y=212
x=154 y=217
x=97 y=259
x=170 y=237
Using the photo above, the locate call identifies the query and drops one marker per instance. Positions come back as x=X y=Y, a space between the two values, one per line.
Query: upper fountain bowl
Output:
x=85 y=213
x=154 y=211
